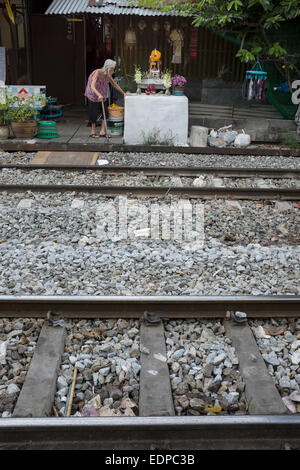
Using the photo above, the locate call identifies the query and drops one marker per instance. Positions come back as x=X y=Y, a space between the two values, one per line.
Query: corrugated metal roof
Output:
x=109 y=7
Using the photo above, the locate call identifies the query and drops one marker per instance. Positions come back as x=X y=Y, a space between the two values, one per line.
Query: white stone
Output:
x=25 y=204
x=143 y=232
x=198 y=182
x=12 y=388
x=77 y=203
x=198 y=136
x=157 y=115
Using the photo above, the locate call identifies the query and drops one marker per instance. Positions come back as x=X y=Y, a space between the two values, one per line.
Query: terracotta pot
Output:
x=24 y=130
x=4 y=132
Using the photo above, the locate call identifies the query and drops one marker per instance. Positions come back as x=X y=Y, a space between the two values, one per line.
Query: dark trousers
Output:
x=95 y=111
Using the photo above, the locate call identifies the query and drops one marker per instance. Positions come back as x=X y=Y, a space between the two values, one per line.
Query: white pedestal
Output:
x=160 y=115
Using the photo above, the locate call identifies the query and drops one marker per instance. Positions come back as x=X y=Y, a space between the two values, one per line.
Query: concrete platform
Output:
x=74 y=132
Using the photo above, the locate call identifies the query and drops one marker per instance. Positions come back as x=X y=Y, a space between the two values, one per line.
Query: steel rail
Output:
x=164 y=171
x=151 y=433
x=134 y=306
x=157 y=191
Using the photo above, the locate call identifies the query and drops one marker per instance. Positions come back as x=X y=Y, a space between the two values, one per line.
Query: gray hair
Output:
x=108 y=64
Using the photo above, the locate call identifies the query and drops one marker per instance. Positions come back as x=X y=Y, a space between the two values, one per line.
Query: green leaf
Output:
x=277 y=51
x=245 y=56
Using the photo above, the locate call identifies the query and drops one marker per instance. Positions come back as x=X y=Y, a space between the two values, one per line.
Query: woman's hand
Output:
x=100 y=97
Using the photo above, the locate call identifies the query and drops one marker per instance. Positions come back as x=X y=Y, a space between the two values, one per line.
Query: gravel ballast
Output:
x=50 y=245
x=90 y=177
x=174 y=159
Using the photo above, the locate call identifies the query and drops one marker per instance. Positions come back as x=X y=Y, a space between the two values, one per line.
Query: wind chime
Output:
x=255 y=86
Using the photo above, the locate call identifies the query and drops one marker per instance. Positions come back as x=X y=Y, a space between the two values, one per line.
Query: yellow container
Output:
x=115 y=110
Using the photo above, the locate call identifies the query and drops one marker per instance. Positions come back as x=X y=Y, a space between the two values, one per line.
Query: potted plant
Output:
x=178 y=84
x=22 y=112
x=4 y=130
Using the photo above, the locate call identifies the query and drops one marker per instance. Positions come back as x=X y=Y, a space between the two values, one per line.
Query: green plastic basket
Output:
x=47 y=130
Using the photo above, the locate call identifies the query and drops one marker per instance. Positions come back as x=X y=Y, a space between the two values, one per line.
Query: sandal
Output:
x=94 y=136
x=102 y=135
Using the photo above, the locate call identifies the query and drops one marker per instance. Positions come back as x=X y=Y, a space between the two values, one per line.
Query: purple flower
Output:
x=178 y=80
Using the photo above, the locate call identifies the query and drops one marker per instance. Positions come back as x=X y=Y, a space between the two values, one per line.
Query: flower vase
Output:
x=178 y=91
x=167 y=92
x=138 y=90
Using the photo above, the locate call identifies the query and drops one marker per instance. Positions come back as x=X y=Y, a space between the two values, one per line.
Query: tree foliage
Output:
x=253 y=22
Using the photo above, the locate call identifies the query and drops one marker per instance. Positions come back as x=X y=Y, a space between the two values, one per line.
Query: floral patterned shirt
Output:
x=101 y=85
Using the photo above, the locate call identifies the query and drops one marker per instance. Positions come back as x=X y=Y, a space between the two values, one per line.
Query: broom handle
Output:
x=104 y=117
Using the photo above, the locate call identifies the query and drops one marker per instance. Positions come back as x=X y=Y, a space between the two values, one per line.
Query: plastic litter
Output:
x=3 y=348
x=242 y=140
x=222 y=137
x=89 y=411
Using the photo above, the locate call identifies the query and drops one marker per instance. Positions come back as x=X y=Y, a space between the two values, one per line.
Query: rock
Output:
x=12 y=388
x=295 y=396
x=218 y=359
x=282 y=206
x=295 y=357
x=197 y=404
x=271 y=358
x=208 y=370
x=289 y=404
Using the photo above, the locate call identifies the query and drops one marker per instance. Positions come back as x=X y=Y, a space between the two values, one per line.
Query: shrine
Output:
x=155 y=116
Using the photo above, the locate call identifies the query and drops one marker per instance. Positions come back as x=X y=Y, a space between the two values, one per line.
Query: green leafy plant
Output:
x=2 y=110
x=289 y=141
x=154 y=138
x=22 y=110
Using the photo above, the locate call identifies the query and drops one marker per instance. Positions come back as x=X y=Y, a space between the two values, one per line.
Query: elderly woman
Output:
x=96 y=92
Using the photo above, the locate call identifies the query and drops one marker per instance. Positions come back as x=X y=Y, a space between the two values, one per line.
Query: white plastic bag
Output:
x=223 y=137
x=242 y=140
x=3 y=345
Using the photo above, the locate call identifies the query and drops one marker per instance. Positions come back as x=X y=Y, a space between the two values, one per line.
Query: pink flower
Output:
x=178 y=80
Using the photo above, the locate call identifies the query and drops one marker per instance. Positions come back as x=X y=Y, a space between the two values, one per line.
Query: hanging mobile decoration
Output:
x=256 y=72
x=156 y=26
x=69 y=30
x=130 y=40
x=194 y=43
x=167 y=26
x=142 y=25
x=254 y=85
x=108 y=32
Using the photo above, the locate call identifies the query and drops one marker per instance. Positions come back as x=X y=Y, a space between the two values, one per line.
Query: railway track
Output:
x=265 y=424
x=158 y=189
x=164 y=171
x=157 y=425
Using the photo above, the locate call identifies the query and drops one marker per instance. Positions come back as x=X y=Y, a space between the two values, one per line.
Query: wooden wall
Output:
x=213 y=52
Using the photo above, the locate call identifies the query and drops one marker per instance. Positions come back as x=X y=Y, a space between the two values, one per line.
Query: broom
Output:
x=104 y=117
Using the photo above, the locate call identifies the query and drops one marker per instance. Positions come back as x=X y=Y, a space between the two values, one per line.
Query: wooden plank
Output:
x=66 y=158
x=38 y=391
x=262 y=395
x=78 y=158
x=155 y=388
x=40 y=158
